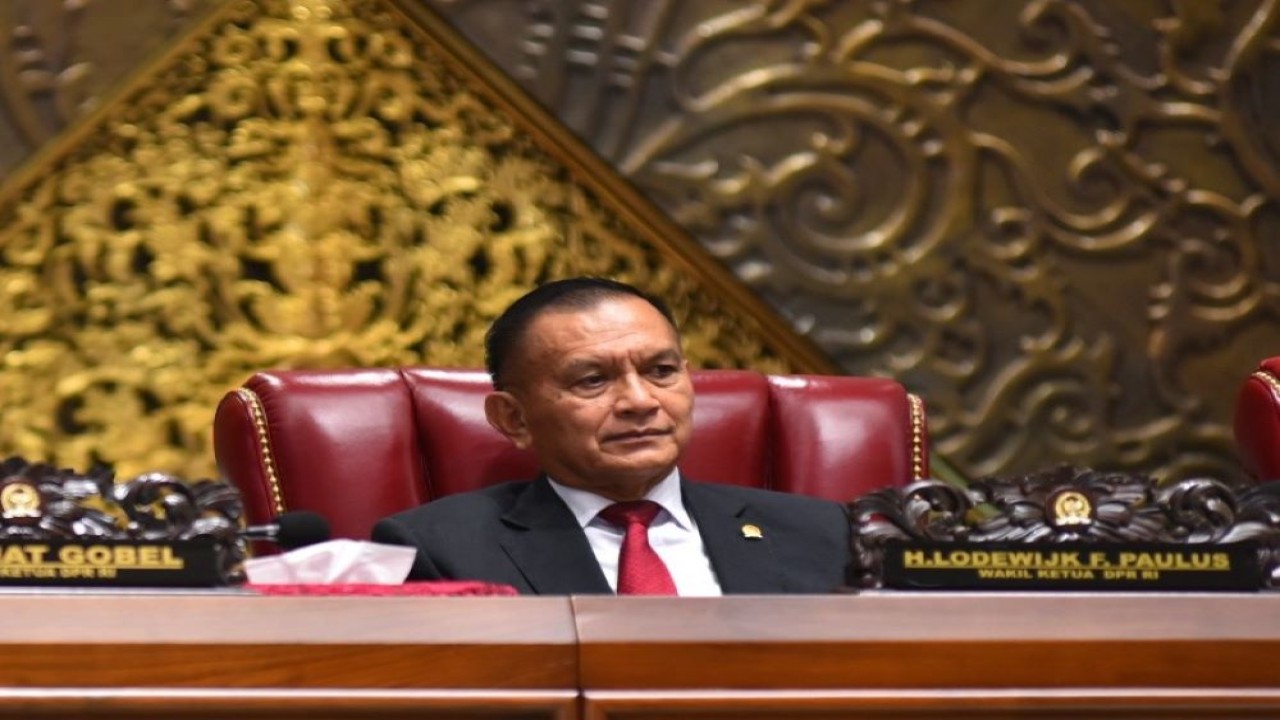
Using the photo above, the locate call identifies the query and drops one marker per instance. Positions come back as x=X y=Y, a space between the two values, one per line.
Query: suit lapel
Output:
x=742 y=564
x=544 y=540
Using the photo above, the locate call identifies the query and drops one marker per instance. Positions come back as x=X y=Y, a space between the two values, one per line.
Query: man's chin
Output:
x=655 y=465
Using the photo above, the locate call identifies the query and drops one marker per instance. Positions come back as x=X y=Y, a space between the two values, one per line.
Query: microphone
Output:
x=291 y=530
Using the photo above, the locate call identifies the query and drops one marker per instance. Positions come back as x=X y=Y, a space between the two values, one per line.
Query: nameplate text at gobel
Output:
x=175 y=563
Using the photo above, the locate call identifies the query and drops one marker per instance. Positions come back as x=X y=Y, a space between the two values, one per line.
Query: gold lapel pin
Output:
x=752 y=532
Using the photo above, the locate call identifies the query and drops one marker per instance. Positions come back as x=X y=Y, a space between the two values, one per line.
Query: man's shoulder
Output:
x=762 y=497
x=467 y=506
x=799 y=526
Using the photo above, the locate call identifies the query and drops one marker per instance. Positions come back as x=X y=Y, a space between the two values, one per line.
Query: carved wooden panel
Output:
x=305 y=183
x=1054 y=220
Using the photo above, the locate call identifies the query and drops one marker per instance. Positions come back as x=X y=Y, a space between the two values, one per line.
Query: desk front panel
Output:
x=218 y=655
x=855 y=656
x=931 y=656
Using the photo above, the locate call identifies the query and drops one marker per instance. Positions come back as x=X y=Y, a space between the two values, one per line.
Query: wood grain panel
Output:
x=875 y=655
x=239 y=641
x=931 y=641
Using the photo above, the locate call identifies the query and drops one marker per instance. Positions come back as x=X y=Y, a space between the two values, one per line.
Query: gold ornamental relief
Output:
x=300 y=184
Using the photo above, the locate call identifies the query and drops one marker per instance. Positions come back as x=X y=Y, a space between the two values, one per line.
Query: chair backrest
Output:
x=1257 y=423
x=358 y=445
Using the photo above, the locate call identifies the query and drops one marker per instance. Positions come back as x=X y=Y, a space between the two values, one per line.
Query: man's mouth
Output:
x=637 y=435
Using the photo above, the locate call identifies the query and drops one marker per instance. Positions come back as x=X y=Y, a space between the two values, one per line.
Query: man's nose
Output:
x=636 y=394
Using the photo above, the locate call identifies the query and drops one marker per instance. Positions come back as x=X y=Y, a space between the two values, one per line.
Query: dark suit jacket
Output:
x=522 y=534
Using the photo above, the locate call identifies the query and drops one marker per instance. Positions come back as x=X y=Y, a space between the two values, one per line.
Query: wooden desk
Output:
x=868 y=656
x=222 y=656
x=931 y=655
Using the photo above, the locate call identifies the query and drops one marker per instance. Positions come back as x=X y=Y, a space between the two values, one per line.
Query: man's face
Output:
x=602 y=396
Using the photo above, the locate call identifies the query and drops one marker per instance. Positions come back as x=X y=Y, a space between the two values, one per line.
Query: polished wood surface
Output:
x=930 y=656
x=223 y=654
x=896 y=641
x=321 y=642
x=197 y=655
x=221 y=640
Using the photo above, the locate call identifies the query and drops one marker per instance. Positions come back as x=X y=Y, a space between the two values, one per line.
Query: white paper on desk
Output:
x=335 y=561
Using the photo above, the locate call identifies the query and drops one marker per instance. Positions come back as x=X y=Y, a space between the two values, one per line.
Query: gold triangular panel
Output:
x=308 y=183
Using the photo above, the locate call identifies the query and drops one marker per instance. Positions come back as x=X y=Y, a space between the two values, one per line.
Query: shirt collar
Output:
x=585 y=505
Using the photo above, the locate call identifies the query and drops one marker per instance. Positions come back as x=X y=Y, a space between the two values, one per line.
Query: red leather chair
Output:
x=1258 y=421
x=358 y=445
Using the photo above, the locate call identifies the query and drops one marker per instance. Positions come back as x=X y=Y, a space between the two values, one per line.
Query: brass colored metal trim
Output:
x=917 y=435
x=1269 y=380
x=264 y=441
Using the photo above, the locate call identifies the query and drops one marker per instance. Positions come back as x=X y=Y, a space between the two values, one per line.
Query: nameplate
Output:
x=118 y=563
x=917 y=565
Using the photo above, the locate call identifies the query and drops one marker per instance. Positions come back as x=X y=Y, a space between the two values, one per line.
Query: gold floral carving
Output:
x=306 y=183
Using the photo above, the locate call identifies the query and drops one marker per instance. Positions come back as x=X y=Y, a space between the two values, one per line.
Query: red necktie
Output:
x=640 y=570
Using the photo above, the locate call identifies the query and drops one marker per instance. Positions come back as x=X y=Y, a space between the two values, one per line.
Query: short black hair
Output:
x=580 y=293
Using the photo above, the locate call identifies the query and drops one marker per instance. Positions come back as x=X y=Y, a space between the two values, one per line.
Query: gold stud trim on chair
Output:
x=917 y=436
x=264 y=440
x=1269 y=380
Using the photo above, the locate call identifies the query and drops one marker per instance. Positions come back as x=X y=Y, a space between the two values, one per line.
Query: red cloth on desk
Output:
x=439 y=588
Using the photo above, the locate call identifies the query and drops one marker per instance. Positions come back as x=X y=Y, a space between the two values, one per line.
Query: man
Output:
x=589 y=375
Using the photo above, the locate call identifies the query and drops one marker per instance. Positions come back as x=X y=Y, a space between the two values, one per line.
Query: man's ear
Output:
x=504 y=413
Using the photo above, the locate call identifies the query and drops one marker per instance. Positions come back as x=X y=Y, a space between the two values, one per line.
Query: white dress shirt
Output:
x=673 y=535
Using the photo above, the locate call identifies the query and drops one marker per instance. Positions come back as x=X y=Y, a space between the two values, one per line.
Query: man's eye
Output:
x=590 y=381
x=663 y=371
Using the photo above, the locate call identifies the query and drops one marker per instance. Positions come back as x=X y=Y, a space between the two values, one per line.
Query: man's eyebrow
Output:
x=668 y=354
x=581 y=364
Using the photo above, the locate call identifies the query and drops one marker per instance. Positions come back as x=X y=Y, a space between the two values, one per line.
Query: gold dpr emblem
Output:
x=752 y=532
x=19 y=500
x=1070 y=507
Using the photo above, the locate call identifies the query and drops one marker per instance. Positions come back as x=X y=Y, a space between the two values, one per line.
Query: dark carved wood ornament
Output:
x=42 y=502
x=1066 y=505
